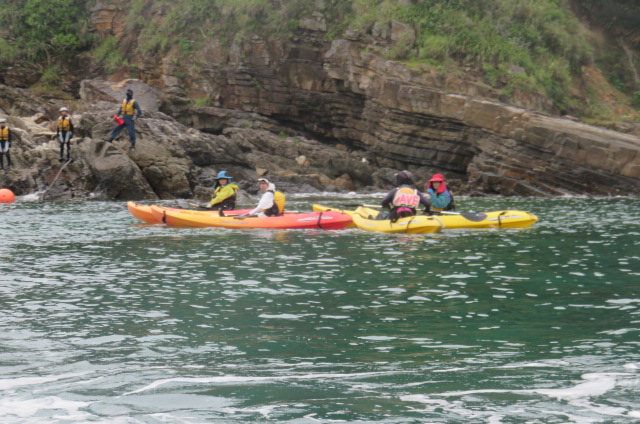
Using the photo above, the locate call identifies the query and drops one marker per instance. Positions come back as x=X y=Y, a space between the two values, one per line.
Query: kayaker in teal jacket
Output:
x=441 y=197
x=224 y=193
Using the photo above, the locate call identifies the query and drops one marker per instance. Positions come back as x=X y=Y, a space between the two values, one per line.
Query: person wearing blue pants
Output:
x=129 y=111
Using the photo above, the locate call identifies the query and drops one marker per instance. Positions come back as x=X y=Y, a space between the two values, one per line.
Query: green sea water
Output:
x=108 y=320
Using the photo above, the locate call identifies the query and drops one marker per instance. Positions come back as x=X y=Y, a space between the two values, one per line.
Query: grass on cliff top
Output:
x=516 y=45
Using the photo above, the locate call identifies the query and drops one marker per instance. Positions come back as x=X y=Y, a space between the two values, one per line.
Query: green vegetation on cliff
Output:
x=41 y=30
x=516 y=46
x=526 y=46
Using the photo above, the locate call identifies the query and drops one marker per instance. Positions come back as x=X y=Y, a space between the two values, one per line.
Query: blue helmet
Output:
x=223 y=174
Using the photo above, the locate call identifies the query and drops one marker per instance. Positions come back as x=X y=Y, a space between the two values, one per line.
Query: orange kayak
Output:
x=145 y=213
x=142 y=212
x=329 y=220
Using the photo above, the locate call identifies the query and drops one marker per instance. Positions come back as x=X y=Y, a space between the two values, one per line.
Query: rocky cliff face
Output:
x=171 y=160
x=314 y=114
x=336 y=93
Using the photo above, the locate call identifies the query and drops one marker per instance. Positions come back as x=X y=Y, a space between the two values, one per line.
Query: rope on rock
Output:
x=55 y=179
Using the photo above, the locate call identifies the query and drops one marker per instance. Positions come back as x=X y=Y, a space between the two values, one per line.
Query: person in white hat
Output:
x=5 y=143
x=64 y=132
x=271 y=203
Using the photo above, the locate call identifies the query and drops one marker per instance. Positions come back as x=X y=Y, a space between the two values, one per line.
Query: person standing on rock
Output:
x=64 y=132
x=404 y=199
x=224 y=193
x=129 y=111
x=441 y=197
x=5 y=143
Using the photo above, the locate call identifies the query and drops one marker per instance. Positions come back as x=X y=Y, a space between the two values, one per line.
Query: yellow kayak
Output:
x=419 y=224
x=452 y=220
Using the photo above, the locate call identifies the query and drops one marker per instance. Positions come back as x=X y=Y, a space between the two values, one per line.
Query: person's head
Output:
x=63 y=110
x=263 y=184
x=436 y=181
x=3 y=122
x=404 y=177
x=129 y=93
x=223 y=178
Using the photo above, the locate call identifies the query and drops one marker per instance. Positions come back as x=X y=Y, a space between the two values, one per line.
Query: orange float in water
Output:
x=7 y=196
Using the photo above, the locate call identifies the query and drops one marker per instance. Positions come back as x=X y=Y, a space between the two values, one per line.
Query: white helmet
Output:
x=64 y=109
x=3 y=120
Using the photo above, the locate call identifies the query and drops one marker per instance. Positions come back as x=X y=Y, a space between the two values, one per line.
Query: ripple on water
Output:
x=116 y=321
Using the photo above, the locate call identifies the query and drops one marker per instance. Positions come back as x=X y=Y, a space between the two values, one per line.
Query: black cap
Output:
x=130 y=92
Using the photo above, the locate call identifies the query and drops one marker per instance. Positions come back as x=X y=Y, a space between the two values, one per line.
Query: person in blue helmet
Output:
x=224 y=193
x=129 y=111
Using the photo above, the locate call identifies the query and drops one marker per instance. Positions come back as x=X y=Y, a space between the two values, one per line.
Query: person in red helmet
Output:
x=404 y=199
x=440 y=196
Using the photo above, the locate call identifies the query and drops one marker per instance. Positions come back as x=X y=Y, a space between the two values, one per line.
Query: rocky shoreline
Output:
x=483 y=147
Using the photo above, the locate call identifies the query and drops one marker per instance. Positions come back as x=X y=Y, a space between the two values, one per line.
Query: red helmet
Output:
x=437 y=177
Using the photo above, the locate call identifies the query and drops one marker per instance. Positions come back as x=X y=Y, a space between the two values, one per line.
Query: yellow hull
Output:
x=410 y=225
x=453 y=220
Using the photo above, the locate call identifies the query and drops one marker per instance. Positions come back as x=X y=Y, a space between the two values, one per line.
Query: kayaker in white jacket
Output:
x=267 y=205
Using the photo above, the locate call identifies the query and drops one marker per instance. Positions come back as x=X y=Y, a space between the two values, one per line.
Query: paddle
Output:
x=245 y=215
x=354 y=205
x=475 y=217
x=184 y=205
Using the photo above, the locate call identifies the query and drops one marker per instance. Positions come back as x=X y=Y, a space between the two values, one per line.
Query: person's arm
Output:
x=138 y=110
x=224 y=193
x=424 y=200
x=386 y=202
x=71 y=125
x=266 y=201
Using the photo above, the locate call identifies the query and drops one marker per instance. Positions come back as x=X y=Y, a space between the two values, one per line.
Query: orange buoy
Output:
x=7 y=196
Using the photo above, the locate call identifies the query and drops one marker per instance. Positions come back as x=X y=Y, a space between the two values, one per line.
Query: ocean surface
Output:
x=105 y=319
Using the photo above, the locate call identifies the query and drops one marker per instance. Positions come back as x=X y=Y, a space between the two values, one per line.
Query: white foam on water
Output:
x=378 y=338
x=285 y=316
x=229 y=379
x=7 y=384
x=581 y=396
x=623 y=301
x=31 y=197
x=24 y=408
